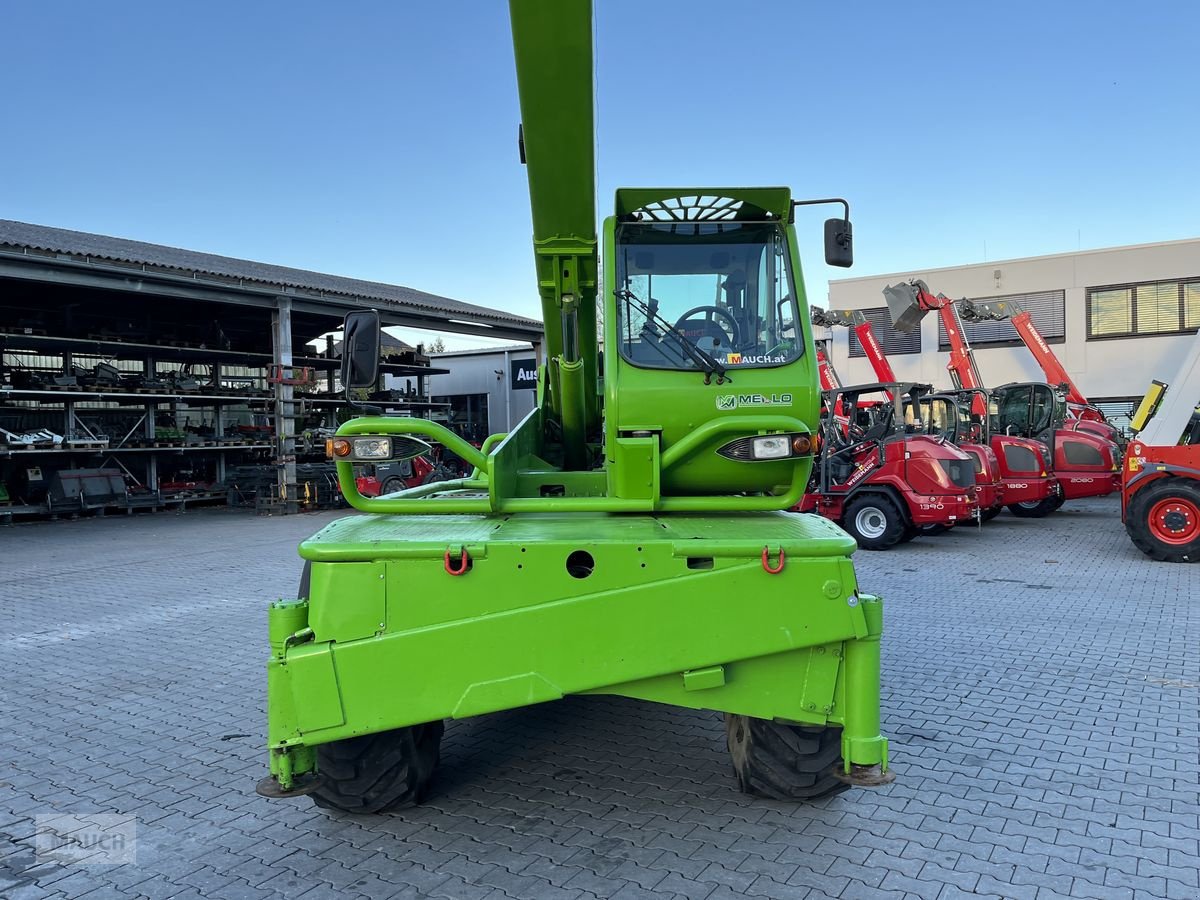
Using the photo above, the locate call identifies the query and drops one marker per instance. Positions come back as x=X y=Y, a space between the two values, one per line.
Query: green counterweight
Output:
x=631 y=536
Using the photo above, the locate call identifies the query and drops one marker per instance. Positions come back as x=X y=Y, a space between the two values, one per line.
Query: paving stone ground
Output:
x=1042 y=695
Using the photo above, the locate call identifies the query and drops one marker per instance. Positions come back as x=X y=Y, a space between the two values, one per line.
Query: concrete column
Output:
x=284 y=419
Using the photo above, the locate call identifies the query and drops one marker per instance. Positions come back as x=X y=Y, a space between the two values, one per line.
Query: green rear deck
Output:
x=730 y=534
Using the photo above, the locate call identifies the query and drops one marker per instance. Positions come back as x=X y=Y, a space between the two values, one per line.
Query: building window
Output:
x=1047 y=311
x=892 y=341
x=1191 y=306
x=1151 y=307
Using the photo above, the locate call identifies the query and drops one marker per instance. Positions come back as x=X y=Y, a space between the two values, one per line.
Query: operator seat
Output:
x=881 y=428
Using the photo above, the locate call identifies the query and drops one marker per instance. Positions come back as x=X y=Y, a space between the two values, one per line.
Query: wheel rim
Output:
x=870 y=522
x=1030 y=504
x=1175 y=520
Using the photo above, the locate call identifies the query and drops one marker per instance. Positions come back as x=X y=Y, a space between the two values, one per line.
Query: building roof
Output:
x=86 y=247
x=485 y=351
x=389 y=345
x=1016 y=259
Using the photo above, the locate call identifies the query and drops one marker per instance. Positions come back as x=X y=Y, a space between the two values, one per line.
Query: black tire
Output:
x=391 y=485
x=929 y=530
x=874 y=521
x=990 y=513
x=909 y=533
x=437 y=473
x=784 y=762
x=378 y=772
x=1176 y=501
x=1031 y=510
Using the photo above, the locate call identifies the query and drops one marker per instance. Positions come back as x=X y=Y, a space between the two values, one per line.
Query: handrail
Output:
x=416 y=501
x=425 y=427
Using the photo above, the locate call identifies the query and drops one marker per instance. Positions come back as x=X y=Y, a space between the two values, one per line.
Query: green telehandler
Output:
x=630 y=536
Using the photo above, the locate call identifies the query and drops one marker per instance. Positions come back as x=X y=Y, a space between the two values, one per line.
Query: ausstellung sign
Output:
x=523 y=373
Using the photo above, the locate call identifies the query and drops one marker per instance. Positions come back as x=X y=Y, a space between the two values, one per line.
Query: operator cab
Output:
x=705 y=348
x=1032 y=410
x=1037 y=410
x=723 y=288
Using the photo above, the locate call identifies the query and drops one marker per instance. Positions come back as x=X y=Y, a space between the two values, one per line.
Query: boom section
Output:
x=908 y=304
x=857 y=321
x=1022 y=322
x=552 y=44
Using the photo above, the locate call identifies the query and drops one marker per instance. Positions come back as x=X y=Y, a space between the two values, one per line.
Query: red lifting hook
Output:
x=464 y=563
x=767 y=566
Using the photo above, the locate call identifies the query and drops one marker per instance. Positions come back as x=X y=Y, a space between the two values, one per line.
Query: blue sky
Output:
x=378 y=139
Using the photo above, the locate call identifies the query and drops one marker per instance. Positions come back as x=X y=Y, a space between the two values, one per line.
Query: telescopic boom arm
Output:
x=861 y=326
x=552 y=43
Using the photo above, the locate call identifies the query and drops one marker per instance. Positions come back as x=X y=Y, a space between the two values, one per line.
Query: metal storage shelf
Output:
x=85 y=414
x=108 y=396
x=169 y=353
x=100 y=451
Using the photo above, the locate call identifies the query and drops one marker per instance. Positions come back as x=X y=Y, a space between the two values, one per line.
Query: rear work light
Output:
x=767 y=447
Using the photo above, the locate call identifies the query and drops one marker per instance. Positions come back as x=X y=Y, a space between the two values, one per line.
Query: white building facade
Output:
x=1116 y=318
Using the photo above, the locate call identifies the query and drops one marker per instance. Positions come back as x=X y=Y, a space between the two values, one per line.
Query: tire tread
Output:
x=784 y=762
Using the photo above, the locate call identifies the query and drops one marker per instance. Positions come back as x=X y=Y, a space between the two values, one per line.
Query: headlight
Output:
x=767 y=447
x=774 y=447
x=372 y=448
x=359 y=448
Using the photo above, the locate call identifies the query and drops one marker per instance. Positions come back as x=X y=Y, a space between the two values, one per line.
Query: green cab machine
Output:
x=630 y=536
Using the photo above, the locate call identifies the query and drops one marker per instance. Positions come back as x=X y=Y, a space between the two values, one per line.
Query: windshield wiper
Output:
x=702 y=359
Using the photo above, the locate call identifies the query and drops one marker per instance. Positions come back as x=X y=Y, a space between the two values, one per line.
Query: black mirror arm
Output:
x=795 y=203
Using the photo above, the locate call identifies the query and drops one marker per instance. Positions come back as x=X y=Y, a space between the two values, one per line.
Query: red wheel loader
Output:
x=878 y=478
x=1160 y=486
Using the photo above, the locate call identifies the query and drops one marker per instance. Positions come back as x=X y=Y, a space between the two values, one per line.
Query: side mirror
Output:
x=360 y=349
x=839 y=243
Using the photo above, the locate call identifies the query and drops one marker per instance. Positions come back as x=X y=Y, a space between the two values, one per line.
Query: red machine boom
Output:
x=1047 y=360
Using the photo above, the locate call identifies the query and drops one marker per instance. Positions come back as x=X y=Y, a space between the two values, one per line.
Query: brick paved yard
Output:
x=1041 y=693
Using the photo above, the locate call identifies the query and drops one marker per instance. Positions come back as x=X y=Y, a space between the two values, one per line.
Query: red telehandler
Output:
x=1084 y=464
x=1160 y=491
x=1009 y=470
x=1082 y=415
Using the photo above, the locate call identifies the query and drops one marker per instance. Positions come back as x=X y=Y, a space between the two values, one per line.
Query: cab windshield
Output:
x=726 y=288
x=936 y=416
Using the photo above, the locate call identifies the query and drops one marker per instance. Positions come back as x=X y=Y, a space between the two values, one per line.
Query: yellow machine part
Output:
x=1148 y=407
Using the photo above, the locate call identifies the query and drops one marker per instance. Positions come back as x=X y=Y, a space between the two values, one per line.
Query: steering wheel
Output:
x=732 y=335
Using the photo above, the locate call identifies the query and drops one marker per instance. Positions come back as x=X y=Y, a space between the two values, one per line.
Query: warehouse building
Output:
x=1115 y=317
x=140 y=375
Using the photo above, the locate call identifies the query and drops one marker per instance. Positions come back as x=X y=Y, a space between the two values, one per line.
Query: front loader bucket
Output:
x=904 y=307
